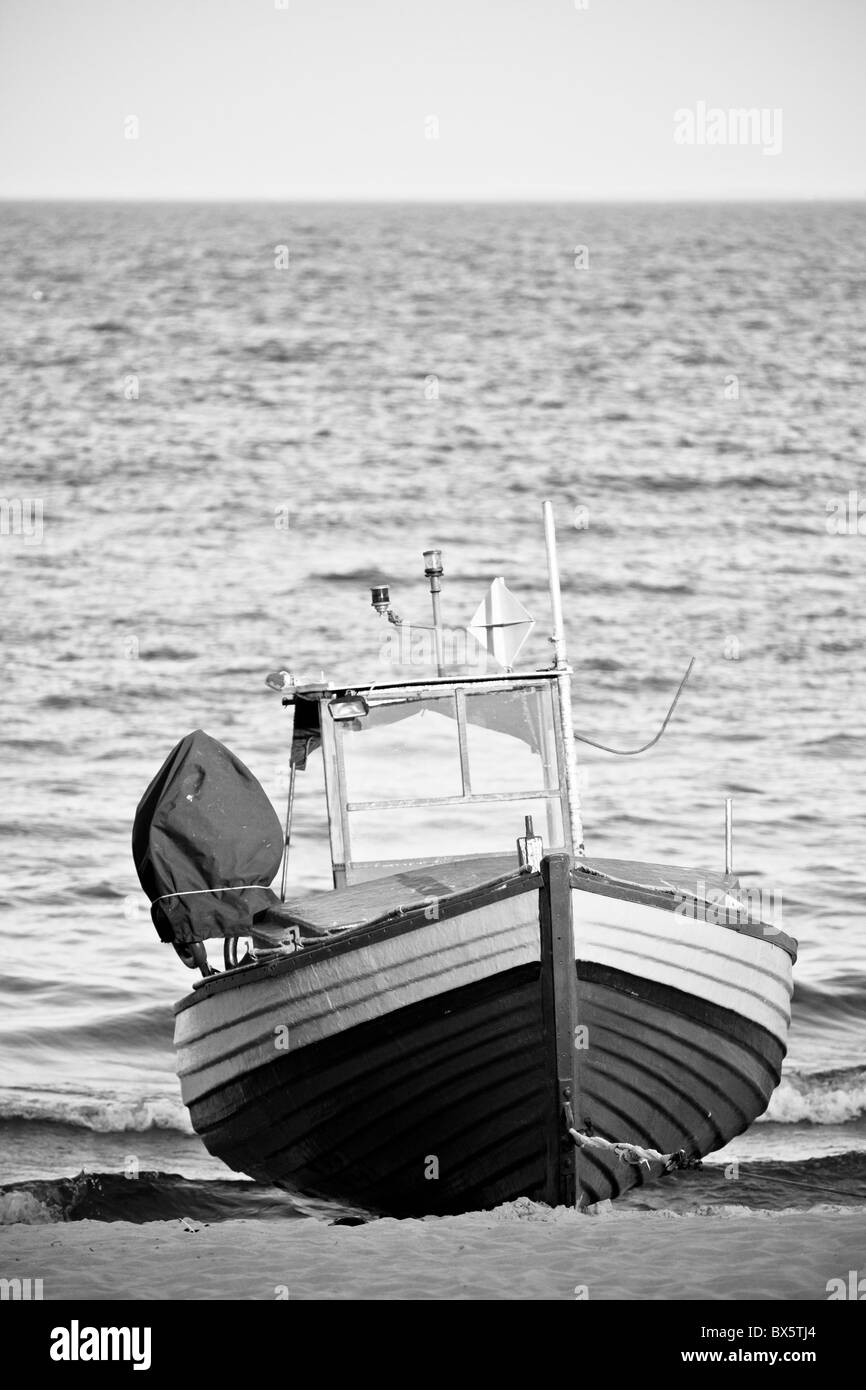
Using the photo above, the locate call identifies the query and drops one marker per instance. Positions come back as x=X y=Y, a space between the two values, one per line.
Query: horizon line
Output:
x=449 y=200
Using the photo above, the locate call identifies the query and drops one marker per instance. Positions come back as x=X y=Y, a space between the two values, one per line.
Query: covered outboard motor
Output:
x=207 y=843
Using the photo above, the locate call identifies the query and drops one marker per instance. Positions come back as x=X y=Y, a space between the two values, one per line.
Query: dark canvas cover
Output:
x=205 y=822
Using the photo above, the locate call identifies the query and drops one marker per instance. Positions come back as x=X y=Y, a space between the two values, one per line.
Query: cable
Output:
x=630 y=752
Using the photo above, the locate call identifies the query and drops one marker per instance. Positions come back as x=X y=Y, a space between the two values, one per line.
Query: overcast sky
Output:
x=334 y=98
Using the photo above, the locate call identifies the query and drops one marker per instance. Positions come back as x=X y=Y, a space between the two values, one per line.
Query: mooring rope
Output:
x=811 y=1186
x=647 y=1157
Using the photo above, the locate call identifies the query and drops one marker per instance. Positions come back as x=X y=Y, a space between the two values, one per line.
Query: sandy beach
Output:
x=520 y=1251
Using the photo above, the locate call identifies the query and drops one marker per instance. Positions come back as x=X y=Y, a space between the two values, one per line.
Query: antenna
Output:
x=563 y=683
x=558 y=635
x=729 y=834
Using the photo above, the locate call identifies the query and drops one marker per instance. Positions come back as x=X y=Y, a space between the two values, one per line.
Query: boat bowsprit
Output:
x=471 y=1013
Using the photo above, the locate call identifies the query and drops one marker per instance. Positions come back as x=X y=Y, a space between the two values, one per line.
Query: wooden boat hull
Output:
x=404 y=1067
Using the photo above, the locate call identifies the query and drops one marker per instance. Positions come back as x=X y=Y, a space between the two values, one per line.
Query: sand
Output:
x=520 y=1251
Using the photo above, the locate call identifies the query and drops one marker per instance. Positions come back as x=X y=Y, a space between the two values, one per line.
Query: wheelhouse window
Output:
x=511 y=742
x=402 y=749
x=439 y=773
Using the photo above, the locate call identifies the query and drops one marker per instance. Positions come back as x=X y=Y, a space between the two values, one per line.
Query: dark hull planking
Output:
x=440 y=1107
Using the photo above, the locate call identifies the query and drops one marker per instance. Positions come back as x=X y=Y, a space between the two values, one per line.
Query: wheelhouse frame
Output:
x=347 y=868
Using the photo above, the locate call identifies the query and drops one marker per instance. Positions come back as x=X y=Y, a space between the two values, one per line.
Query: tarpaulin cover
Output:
x=204 y=823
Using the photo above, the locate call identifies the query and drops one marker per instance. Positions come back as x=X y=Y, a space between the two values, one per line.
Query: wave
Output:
x=841 y=742
x=63 y=702
x=272 y=350
x=100 y=1114
x=143 y=1197
x=728 y=1188
x=108 y=689
x=696 y=357
x=818 y=1098
x=644 y=586
x=357 y=576
x=167 y=653
x=681 y=483
x=715 y=1189
x=602 y=664
x=845 y=1002
x=127 y=1030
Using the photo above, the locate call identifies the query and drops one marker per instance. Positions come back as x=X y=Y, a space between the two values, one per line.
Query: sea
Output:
x=219 y=425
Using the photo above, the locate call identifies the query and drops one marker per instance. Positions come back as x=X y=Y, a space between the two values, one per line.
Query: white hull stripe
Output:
x=232 y=1032
x=743 y=973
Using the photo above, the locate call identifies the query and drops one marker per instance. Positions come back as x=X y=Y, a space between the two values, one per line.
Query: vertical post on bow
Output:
x=560 y=1023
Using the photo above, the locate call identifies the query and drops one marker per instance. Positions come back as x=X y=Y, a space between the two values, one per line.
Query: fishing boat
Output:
x=476 y=1010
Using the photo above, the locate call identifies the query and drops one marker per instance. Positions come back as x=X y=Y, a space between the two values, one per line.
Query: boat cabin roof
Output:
x=325 y=690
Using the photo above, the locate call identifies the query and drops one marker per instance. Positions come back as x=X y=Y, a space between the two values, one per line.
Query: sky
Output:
x=430 y=99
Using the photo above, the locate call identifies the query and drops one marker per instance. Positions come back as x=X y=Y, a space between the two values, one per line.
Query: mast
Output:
x=563 y=682
x=729 y=834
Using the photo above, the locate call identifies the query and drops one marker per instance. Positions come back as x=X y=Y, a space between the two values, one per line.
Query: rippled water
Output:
x=226 y=453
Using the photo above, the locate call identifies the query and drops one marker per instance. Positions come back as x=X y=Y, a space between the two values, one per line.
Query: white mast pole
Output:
x=729 y=834
x=563 y=683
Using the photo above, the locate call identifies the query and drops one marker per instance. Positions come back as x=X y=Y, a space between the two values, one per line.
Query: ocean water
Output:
x=212 y=445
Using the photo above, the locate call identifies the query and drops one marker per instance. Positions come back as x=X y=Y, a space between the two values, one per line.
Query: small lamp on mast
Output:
x=434 y=570
x=380 y=599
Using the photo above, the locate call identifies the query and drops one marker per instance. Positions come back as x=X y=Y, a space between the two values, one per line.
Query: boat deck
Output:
x=327 y=911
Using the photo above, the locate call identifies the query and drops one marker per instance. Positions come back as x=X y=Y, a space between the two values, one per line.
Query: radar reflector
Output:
x=501 y=624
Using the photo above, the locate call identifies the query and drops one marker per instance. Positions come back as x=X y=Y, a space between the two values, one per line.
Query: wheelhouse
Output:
x=426 y=771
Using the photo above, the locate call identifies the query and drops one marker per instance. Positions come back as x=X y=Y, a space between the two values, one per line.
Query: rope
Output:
x=193 y=892
x=809 y=1186
x=679 y=1160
